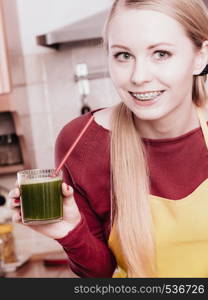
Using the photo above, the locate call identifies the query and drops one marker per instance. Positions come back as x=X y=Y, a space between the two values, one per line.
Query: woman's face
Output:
x=151 y=62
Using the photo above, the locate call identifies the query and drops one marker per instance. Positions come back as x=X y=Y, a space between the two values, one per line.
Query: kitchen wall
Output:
x=53 y=95
x=45 y=93
x=38 y=17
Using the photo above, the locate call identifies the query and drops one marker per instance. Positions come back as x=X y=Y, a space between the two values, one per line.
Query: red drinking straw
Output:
x=73 y=146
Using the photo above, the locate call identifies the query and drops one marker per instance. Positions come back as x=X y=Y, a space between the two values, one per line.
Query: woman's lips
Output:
x=145 y=101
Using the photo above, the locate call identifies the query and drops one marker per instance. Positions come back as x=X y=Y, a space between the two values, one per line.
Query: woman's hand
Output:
x=71 y=214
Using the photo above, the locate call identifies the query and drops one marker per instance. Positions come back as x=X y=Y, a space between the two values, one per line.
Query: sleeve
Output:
x=86 y=245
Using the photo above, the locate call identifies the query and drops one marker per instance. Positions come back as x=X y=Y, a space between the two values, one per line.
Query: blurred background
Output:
x=53 y=68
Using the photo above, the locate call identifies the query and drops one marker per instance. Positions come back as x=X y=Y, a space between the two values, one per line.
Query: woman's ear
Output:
x=201 y=59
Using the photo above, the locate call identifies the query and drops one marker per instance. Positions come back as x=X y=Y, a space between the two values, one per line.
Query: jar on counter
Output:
x=10 y=153
x=8 y=251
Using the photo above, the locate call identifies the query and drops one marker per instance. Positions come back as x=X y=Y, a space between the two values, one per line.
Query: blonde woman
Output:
x=137 y=198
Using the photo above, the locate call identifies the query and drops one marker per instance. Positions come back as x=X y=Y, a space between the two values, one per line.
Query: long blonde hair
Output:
x=132 y=217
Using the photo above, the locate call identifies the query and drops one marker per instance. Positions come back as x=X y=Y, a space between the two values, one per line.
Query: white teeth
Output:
x=147 y=96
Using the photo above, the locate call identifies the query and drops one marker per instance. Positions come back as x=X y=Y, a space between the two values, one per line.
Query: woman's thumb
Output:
x=67 y=190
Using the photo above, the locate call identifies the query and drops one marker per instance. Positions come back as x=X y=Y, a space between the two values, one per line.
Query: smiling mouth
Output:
x=146 y=96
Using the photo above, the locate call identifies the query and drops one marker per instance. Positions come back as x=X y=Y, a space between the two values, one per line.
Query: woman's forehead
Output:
x=145 y=26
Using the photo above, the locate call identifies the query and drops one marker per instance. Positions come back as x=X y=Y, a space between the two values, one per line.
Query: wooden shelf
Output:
x=11 y=169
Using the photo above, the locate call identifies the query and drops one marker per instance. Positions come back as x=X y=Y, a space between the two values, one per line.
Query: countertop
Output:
x=35 y=267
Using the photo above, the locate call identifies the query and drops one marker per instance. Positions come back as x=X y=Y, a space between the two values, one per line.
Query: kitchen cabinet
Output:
x=24 y=162
x=5 y=83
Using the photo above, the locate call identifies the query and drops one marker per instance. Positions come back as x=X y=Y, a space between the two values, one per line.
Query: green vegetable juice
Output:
x=41 y=200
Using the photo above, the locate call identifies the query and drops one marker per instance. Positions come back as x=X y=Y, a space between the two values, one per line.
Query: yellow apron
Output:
x=181 y=232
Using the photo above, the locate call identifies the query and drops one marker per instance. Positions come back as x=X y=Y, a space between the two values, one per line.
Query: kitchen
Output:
x=53 y=69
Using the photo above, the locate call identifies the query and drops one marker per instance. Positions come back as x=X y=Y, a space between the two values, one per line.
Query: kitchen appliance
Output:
x=10 y=153
x=89 y=28
x=82 y=78
x=81 y=73
x=7 y=123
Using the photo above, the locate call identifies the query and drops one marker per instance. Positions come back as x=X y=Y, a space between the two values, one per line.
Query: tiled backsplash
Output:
x=46 y=97
x=53 y=98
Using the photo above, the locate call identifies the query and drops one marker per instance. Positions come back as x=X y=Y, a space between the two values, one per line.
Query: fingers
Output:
x=16 y=184
x=15 y=193
x=14 y=202
x=16 y=215
x=14 y=198
x=67 y=190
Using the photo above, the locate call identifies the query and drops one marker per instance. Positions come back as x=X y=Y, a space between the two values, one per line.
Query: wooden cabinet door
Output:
x=5 y=85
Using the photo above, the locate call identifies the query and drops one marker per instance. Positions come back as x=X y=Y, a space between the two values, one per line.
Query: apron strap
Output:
x=203 y=124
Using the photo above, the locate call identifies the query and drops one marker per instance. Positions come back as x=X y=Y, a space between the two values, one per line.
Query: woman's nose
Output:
x=141 y=73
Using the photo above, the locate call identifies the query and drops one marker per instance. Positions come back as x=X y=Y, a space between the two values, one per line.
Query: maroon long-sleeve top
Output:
x=177 y=166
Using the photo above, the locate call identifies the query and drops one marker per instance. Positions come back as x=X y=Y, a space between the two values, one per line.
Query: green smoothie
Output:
x=41 y=200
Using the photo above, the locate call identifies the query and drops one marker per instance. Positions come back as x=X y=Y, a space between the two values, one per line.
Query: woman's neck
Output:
x=174 y=124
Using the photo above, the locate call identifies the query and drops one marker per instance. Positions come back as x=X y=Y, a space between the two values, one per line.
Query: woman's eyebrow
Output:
x=149 y=47
x=120 y=46
x=160 y=44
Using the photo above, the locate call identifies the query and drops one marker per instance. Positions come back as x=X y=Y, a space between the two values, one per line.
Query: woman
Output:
x=137 y=180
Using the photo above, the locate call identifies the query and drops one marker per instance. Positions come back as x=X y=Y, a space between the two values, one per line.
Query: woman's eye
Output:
x=122 y=56
x=161 y=55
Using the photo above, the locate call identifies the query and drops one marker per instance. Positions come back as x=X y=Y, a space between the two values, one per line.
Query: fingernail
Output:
x=65 y=186
x=16 y=192
x=68 y=187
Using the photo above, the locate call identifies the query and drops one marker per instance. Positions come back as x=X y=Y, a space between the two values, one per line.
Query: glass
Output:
x=41 y=196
